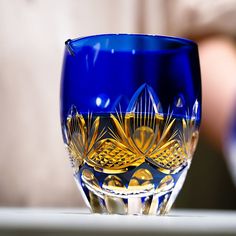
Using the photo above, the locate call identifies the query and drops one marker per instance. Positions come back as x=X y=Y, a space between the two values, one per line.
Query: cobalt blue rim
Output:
x=163 y=44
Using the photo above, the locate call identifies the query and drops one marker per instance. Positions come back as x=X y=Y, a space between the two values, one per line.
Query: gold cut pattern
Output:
x=170 y=157
x=110 y=154
x=142 y=134
x=81 y=137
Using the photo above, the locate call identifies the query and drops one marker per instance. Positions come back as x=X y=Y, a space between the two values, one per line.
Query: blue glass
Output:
x=130 y=115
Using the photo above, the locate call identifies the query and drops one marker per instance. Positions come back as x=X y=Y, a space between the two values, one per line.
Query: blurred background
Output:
x=34 y=167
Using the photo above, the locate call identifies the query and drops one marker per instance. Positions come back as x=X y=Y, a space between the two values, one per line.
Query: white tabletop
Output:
x=22 y=221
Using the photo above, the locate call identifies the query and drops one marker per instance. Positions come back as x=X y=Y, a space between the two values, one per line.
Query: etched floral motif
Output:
x=145 y=130
x=142 y=134
x=189 y=136
x=81 y=136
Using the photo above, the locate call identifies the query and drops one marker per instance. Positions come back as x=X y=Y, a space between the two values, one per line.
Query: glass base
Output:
x=141 y=190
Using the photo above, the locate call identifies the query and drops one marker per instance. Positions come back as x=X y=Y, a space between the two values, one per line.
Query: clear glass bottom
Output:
x=140 y=190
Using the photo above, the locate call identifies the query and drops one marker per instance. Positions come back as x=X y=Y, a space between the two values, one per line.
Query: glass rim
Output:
x=150 y=43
